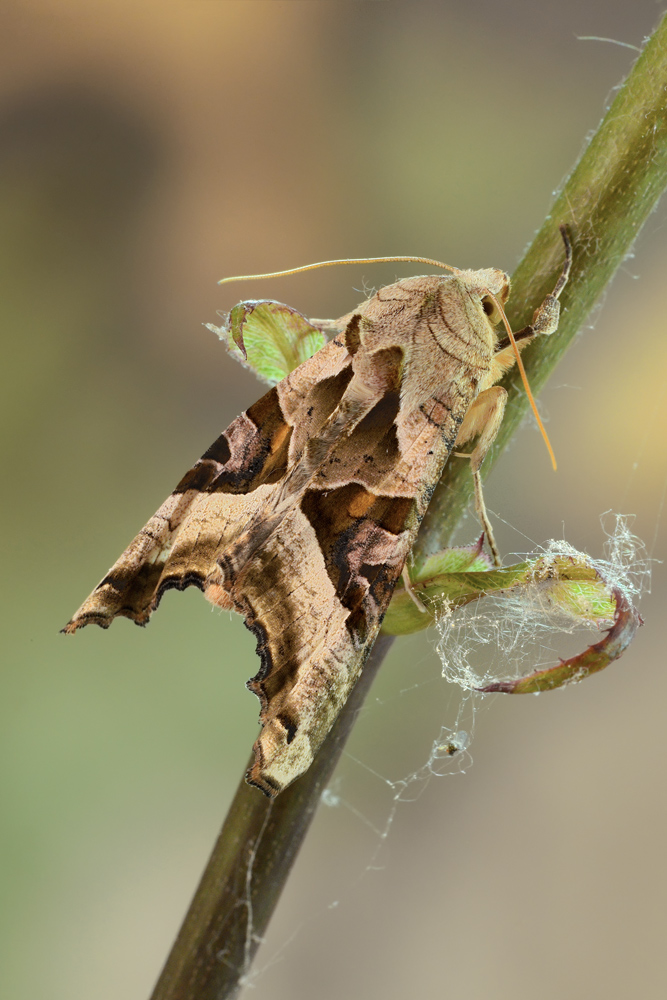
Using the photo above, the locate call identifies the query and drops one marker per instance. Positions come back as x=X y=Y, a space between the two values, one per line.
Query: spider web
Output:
x=510 y=634
x=495 y=637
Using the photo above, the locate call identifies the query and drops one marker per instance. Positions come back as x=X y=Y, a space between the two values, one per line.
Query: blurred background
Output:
x=146 y=150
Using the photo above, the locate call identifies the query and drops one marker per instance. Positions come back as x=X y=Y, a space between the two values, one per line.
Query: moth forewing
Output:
x=358 y=492
x=302 y=514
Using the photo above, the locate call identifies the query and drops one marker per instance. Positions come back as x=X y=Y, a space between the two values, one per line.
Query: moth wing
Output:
x=331 y=528
x=212 y=504
x=315 y=595
x=316 y=591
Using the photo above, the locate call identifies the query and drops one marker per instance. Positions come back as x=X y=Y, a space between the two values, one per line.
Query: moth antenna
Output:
x=524 y=377
x=332 y=263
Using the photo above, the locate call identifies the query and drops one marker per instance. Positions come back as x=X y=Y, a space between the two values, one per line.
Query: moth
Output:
x=302 y=513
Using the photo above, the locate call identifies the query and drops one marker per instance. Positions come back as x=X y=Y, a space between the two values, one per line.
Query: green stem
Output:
x=248 y=868
x=605 y=201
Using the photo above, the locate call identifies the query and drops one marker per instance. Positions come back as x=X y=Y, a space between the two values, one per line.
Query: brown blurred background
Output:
x=145 y=151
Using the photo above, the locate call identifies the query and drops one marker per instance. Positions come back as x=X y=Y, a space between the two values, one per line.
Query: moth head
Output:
x=490 y=310
x=489 y=288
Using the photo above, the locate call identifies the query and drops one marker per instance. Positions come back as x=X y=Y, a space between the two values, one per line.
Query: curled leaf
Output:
x=596 y=657
x=568 y=583
x=268 y=337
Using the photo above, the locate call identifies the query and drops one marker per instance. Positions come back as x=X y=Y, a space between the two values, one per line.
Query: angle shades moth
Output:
x=301 y=515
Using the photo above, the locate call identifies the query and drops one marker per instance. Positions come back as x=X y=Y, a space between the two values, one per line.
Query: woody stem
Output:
x=604 y=202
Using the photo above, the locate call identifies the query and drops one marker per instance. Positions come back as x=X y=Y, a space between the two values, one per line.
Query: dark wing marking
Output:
x=215 y=500
x=301 y=515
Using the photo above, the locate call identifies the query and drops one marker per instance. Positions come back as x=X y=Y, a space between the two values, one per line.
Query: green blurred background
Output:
x=145 y=151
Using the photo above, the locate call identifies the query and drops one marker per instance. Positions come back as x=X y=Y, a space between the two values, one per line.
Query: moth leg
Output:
x=484 y=419
x=408 y=589
x=480 y=510
x=545 y=322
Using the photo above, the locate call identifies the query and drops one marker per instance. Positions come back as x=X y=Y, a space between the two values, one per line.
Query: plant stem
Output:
x=248 y=869
x=605 y=201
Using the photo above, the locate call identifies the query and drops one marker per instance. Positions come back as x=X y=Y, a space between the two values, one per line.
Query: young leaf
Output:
x=268 y=337
x=571 y=584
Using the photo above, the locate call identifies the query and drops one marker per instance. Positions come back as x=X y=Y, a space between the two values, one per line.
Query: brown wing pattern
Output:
x=212 y=504
x=316 y=590
x=301 y=515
